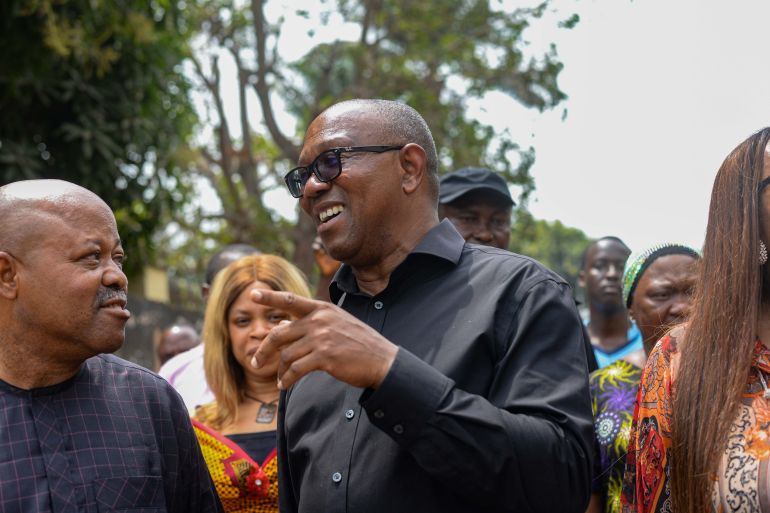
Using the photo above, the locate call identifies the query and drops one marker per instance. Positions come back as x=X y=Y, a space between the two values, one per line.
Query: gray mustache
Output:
x=105 y=294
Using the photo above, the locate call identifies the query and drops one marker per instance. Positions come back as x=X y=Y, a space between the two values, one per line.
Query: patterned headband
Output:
x=639 y=262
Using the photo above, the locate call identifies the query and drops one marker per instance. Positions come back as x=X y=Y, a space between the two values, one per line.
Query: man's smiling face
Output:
x=355 y=213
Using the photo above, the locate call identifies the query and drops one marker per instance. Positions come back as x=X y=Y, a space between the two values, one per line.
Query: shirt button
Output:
x=336 y=477
x=379 y=414
x=350 y=414
x=398 y=429
x=378 y=305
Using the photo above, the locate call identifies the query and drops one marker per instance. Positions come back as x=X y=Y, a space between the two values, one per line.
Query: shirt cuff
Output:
x=410 y=393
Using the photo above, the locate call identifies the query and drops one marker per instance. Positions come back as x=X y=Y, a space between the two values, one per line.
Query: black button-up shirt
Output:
x=486 y=407
x=115 y=437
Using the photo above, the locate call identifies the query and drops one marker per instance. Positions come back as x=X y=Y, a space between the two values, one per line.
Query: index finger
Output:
x=295 y=305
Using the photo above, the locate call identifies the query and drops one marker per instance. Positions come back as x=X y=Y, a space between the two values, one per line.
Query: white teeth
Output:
x=329 y=212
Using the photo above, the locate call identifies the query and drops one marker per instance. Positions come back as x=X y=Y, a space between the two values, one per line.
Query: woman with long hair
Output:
x=237 y=431
x=701 y=439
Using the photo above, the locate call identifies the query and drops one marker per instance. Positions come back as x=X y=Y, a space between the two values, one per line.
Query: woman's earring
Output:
x=762 y=253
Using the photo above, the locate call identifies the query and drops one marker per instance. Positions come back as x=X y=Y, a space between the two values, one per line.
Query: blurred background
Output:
x=605 y=117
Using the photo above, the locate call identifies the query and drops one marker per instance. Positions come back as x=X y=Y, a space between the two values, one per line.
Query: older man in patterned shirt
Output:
x=81 y=430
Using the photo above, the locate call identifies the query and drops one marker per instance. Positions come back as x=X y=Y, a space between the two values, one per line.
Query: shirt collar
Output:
x=443 y=241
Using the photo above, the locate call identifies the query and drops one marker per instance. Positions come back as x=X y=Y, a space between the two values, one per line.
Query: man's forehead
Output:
x=608 y=249
x=337 y=128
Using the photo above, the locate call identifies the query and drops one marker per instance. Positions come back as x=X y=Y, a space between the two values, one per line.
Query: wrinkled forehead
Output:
x=72 y=209
x=32 y=223
x=340 y=127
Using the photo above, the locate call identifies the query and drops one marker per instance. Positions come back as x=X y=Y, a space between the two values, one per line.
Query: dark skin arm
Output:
x=323 y=337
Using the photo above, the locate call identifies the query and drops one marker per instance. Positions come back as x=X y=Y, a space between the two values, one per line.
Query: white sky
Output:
x=659 y=92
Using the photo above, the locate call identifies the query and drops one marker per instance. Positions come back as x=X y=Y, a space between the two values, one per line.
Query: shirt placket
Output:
x=350 y=422
x=65 y=496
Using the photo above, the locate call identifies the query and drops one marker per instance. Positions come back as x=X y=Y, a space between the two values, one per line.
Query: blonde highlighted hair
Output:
x=224 y=374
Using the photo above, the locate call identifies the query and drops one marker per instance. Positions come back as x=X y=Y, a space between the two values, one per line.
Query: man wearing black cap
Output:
x=478 y=203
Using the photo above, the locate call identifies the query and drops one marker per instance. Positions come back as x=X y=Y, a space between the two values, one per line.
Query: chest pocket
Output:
x=130 y=494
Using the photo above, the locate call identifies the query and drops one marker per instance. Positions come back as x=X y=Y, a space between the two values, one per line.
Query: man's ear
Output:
x=414 y=164
x=9 y=279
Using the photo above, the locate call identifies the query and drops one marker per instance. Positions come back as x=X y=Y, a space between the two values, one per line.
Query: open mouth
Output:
x=330 y=213
x=114 y=304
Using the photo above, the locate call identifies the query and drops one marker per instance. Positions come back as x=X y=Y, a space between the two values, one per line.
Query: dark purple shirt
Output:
x=113 y=437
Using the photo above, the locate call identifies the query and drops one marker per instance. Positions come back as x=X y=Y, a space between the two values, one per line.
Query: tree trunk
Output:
x=304 y=233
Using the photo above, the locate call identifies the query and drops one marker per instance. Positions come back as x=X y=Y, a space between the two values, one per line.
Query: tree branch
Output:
x=289 y=149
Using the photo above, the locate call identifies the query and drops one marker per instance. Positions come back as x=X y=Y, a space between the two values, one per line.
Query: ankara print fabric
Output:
x=613 y=395
x=243 y=485
x=742 y=483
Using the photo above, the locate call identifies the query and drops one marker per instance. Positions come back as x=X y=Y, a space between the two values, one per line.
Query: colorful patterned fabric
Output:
x=633 y=343
x=613 y=392
x=741 y=483
x=242 y=484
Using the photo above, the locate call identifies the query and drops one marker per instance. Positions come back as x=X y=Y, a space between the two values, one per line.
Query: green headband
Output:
x=639 y=262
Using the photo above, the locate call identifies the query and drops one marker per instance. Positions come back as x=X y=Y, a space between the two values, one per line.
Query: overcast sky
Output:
x=659 y=92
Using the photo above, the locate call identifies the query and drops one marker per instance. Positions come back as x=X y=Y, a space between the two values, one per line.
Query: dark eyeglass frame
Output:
x=312 y=168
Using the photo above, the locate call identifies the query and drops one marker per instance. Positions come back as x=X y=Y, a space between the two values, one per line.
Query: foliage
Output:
x=558 y=247
x=435 y=56
x=91 y=92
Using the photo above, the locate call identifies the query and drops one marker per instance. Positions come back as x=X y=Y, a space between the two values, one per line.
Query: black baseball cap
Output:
x=458 y=183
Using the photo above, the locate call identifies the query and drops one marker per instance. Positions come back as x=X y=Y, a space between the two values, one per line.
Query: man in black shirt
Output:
x=452 y=376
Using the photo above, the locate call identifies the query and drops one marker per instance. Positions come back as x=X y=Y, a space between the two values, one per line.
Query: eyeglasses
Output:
x=327 y=166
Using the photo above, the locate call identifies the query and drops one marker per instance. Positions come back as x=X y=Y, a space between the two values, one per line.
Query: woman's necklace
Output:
x=266 y=412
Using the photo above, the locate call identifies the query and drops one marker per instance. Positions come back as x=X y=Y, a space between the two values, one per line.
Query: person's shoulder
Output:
x=123 y=369
x=512 y=264
x=663 y=361
x=206 y=413
x=180 y=361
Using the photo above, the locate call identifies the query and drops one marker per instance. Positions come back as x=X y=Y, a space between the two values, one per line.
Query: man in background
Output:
x=174 y=340
x=185 y=370
x=477 y=201
x=612 y=334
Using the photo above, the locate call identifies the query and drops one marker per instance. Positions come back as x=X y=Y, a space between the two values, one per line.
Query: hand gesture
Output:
x=323 y=337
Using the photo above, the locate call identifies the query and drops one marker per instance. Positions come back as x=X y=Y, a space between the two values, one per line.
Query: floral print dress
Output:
x=613 y=394
x=742 y=483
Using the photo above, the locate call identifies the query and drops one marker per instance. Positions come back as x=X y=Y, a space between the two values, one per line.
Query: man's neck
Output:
x=374 y=278
x=609 y=331
x=27 y=365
